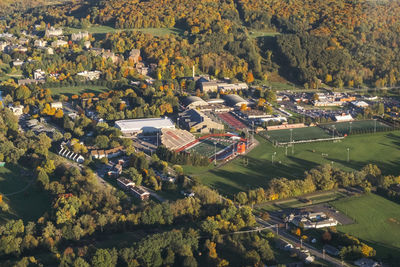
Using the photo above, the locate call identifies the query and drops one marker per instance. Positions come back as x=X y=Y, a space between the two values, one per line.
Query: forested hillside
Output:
x=339 y=42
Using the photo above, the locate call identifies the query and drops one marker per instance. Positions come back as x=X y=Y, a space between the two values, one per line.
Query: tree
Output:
x=250 y=77
x=103 y=258
x=102 y=141
x=326 y=236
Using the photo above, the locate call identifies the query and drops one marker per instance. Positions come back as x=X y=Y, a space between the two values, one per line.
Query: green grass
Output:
x=107 y=29
x=206 y=147
x=381 y=149
x=71 y=90
x=27 y=205
x=357 y=126
x=377 y=222
x=298 y=134
x=257 y=33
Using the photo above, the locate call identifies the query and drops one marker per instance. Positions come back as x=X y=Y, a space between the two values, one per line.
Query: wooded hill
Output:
x=341 y=42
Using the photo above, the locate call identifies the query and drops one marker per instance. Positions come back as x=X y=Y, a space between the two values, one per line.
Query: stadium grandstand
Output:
x=174 y=139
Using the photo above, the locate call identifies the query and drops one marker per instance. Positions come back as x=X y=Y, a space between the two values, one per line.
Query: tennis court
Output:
x=298 y=134
x=357 y=127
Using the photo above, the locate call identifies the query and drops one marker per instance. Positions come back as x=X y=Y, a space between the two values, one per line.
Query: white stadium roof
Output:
x=137 y=125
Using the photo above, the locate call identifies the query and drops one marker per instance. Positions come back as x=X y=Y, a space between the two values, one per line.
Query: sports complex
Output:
x=324 y=132
x=219 y=146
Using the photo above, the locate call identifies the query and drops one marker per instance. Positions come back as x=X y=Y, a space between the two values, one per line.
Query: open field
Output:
x=107 y=29
x=377 y=222
x=357 y=127
x=258 y=33
x=236 y=176
x=29 y=204
x=71 y=90
x=298 y=134
x=206 y=147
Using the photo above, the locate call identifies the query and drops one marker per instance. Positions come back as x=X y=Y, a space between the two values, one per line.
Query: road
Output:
x=283 y=235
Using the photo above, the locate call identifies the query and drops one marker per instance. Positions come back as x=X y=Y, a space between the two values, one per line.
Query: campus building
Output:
x=196 y=121
x=136 y=126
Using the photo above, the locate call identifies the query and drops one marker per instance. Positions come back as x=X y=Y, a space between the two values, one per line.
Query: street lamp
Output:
x=348 y=154
x=273 y=155
x=291 y=140
x=350 y=127
x=215 y=153
x=333 y=131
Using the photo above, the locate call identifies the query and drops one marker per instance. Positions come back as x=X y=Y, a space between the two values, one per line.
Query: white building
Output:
x=40 y=43
x=39 y=74
x=90 y=75
x=135 y=126
x=343 y=117
x=79 y=36
x=360 y=104
x=50 y=32
x=18 y=62
x=57 y=105
x=59 y=43
x=17 y=110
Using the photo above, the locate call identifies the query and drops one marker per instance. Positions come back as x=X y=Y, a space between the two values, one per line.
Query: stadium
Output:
x=217 y=146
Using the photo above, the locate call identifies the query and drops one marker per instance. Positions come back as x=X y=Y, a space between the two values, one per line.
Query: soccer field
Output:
x=298 y=134
x=377 y=221
x=256 y=169
x=206 y=147
x=357 y=127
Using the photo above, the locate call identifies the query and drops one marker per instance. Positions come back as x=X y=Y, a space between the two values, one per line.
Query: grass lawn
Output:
x=381 y=149
x=357 y=126
x=29 y=204
x=298 y=134
x=101 y=29
x=377 y=222
x=72 y=90
x=256 y=33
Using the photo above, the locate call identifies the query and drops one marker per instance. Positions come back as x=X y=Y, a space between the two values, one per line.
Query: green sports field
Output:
x=256 y=168
x=377 y=222
x=206 y=147
x=298 y=134
x=72 y=90
x=356 y=127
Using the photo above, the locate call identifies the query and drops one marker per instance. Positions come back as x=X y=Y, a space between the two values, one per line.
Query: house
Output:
x=18 y=62
x=51 y=32
x=17 y=110
x=59 y=43
x=134 y=55
x=40 y=43
x=87 y=44
x=39 y=74
x=79 y=36
x=115 y=171
x=57 y=105
x=90 y=75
